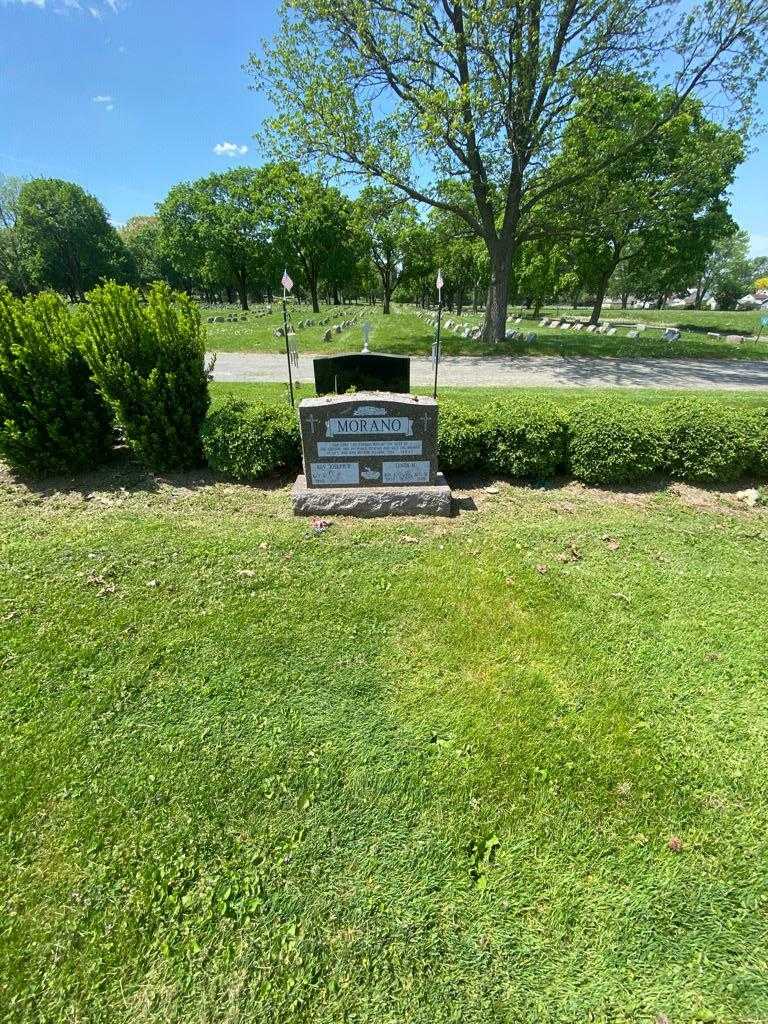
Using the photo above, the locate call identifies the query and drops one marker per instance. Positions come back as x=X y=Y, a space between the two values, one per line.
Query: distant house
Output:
x=757 y=301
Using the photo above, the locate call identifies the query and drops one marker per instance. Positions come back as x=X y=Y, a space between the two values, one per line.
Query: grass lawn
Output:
x=409 y=771
x=563 y=397
x=404 y=333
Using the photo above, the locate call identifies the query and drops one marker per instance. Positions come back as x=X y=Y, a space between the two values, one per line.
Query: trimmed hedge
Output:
x=527 y=439
x=52 y=418
x=710 y=443
x=148 y=360
x=606 y=441
x=462 y=438
x=248 y=441
x=616 y=442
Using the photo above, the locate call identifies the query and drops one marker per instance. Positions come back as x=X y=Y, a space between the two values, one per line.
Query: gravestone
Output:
x=364 y=371
x=370 y=454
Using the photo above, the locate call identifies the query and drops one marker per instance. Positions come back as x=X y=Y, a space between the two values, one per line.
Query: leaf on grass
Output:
x=675 y=844
x=611 y=543
x=542 y=569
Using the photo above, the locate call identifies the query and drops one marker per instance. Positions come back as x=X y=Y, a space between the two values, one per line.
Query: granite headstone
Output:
x=363 y=371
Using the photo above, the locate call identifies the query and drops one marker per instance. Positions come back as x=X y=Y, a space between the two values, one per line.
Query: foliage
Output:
x=52 y=418
x=218 y=228
x=709 y=443
x=526 y=439
x=70 y=242
x=480 y=93
x=141 y=236
x=761 y=284
x=462 y=437
x=248 y=441
x=728 y=272
x=615 y=442
x=657 y=210
x=387 y=224
x=149 y=363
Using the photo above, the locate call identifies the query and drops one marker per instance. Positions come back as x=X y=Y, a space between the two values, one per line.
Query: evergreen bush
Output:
x=148 y=359
x=52 y=418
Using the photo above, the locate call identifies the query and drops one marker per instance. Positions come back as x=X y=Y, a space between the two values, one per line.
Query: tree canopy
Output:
x=413 y=93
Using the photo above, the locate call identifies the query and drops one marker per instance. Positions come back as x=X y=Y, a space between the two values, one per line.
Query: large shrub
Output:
x=52 y=418
x=148 y=360
x=462 y=438
x=707 y=442
x=527 y=438
x=248 y=441
x=615 y=442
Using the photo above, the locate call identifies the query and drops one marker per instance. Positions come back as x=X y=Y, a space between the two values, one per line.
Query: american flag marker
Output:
x=291 y=351
x=436 y=347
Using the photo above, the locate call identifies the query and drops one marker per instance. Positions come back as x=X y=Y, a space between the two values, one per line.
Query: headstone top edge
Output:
x=378 y=355
x=322 y=401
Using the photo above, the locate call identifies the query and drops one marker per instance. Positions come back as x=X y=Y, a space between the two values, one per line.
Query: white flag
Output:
x=439 y=280
x=286 y=282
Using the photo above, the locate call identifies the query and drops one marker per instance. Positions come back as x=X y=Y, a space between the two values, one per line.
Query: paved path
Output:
x=529 y=371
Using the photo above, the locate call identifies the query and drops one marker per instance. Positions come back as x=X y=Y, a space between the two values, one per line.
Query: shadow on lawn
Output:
x=122 y=474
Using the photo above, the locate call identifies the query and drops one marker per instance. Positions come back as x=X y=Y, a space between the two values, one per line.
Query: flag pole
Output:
x=287 y=347
x=439 y=317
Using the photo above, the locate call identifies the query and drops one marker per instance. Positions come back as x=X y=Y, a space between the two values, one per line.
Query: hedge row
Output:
x=70 y=375
x=610 y=441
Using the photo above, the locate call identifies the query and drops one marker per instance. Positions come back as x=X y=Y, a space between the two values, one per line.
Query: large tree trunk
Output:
x=495 y=326
x=313 y=293
x=597 y=308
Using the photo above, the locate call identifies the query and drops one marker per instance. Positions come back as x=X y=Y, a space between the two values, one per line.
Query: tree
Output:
x=412 y=91
x=727 y=273
x=385 y=220
x=312 y=227
x=657 y=210
x=71 y=243
x=218 y=228
x=141 y=237
x=16 y=262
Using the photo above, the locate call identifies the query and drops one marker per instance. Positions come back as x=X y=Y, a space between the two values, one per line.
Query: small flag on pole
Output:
x=286 y=282
x=439 y=280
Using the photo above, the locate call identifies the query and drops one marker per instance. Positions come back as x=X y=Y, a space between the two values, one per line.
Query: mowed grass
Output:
x=403 y=771
x=403 y=332
x=564 y=398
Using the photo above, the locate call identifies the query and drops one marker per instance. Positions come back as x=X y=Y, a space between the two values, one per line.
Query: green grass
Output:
x=404 y=333
x=725 y=321
x=563 y=397
x=403 y=771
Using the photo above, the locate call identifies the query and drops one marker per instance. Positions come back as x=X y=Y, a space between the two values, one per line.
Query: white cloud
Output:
x=229 y=149
x=65 y=6
x=103 y=99
x=758 y=245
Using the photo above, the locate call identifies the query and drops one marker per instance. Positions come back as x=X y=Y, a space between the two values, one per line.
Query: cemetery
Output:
x=377 y=690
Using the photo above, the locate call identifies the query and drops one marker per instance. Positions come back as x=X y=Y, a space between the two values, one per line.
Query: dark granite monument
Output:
x=363 y=371
x=370 y=454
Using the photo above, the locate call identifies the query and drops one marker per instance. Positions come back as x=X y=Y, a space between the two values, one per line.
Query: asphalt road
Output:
x=528 y=371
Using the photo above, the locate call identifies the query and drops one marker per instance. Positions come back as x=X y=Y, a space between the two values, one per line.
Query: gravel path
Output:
x=528 y=371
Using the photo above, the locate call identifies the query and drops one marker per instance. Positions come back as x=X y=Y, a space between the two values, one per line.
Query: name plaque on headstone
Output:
x=370 y=439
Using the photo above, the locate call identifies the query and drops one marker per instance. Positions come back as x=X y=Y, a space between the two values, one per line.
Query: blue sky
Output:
x=127 y=97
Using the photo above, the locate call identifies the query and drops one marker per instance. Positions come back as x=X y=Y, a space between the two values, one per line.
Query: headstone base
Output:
x=371 y=502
